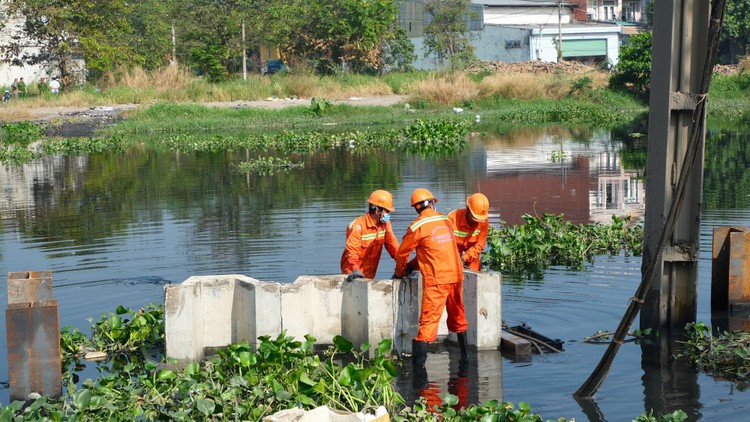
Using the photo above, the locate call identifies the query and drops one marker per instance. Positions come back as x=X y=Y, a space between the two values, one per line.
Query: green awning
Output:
x=579 y=48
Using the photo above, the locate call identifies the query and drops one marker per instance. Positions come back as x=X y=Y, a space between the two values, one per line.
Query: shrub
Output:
x=633 y=70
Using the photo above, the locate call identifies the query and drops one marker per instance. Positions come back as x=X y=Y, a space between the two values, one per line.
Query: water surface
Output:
x=115 y=228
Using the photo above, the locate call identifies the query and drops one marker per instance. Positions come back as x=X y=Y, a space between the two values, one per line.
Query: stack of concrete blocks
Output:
x=32 y=329
x=208 y=312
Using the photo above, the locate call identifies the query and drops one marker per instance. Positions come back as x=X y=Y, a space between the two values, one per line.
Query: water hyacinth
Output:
x=524 y=251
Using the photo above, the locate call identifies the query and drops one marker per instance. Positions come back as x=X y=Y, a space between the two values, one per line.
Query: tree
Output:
x=447 y=35
x=633 y=70
x=736 y=20
x=151 y=32
x=336 y=33
x=62 y=31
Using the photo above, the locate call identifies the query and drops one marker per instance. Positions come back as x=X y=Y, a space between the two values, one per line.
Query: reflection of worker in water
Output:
x=470 y=228
x=458 y=385
x=366 y=236
x=431 y=235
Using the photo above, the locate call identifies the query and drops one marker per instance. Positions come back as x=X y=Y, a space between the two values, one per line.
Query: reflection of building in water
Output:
x=618 y=191
x=25 y=187
x=552 y=174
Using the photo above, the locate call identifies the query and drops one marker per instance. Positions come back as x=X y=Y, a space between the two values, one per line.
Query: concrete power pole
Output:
x=559 y=31
x=679 y=50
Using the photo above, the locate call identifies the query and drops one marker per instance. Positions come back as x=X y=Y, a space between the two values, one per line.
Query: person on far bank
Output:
x=43 y=87
x=22 y=88
x=14 y=88
x=431 y=235
x=54 y=86
x=470 y=226
x=366 y=236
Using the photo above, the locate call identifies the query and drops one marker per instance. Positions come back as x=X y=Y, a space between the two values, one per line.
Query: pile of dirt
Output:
x=535 y=66
x=726 y=69
x=570 y=67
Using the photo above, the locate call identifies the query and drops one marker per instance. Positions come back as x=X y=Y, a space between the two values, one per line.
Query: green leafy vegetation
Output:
x=20 y=134
x=433 y=137
x=236 y=383
x=525 y=251
x=725 y=356
x=267 y=166
x=15 y=140
x=676 y=416
x=633 y=70
x=447 y=34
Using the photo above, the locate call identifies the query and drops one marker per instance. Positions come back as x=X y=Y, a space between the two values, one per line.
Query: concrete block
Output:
x=312 y=305
x=367 y=311
x=483 y=293
x=483 y=307
x=407 y=304
x=29 y=286
x=183 y=324
x=208 y=312
x=264 y=316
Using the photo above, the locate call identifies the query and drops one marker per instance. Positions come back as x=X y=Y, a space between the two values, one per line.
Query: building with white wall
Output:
x=522 y=30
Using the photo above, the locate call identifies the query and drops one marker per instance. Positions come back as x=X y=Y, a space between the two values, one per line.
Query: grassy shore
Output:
x=172 y=99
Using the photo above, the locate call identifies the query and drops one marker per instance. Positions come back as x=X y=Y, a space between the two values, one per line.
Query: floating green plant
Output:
x=266 y=166
x=442 y=137
x=524 y=251
x=80 y=146
x=237 y=383
x=20 y=134
x=15 y=139
x=726 y=355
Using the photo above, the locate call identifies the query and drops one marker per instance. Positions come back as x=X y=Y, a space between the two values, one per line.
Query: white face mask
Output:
x=385 y=218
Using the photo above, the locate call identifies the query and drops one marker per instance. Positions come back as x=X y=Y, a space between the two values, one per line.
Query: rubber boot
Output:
x=463 y=344
x=419 y=356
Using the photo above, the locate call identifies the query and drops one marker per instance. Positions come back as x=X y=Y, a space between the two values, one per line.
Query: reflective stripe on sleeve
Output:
x=419 y=223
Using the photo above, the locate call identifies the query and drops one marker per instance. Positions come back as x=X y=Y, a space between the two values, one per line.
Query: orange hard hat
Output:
x=479 y=206
x=383 y=199
x=421 y=194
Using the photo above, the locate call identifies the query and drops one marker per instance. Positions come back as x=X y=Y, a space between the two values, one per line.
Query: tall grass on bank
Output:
x=523 y=98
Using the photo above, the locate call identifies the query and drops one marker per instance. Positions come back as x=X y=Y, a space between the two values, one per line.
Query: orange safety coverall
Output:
x=470 y=240
x=364 y=244
x=431 y=234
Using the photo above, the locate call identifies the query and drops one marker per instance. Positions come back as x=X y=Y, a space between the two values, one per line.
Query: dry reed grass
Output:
x=744 y=64
x=450 y=88
x=169 y=77
x=17 y=114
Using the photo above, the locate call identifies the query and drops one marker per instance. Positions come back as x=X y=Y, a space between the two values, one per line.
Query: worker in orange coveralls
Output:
x=431 y=234
x=366 y=235
x=470 y=228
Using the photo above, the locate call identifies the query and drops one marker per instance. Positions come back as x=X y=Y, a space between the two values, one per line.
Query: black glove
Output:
x=355 y=274
x=409 y=269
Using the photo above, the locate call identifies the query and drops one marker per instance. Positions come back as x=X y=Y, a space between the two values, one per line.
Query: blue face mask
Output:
x=385 y=218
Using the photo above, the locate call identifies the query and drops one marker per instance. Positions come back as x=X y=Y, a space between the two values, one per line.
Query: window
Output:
x=512 y=44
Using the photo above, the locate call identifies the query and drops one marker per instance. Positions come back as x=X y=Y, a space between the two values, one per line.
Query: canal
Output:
x=115 y=228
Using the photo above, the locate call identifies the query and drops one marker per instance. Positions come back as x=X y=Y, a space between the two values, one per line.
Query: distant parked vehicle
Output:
x=272 y=66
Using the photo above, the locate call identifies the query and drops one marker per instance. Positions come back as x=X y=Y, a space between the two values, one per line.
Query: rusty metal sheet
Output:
x=720 y=267
x=739 y=268
x=30 y=286
x=33 y=338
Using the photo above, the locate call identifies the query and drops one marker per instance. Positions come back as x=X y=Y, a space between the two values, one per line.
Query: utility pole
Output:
x=244 y=52
x=174 y=46
x=559 y=31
